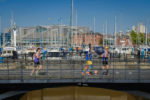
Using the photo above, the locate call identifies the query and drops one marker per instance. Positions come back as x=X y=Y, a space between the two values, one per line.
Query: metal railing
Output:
x=123 y=68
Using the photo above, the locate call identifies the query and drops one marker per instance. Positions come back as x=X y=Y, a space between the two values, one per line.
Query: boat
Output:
x=9 y=52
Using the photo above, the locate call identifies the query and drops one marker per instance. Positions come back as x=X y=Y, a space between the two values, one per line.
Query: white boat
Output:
x=8 y=51
x=54 y=54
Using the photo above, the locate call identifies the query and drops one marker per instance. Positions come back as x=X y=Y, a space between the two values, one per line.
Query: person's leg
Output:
x=32 y=72
x=39 y=68
x=107 y=67
x=103 y=65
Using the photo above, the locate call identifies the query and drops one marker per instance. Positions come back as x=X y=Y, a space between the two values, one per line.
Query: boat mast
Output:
x=146 y=37
x=12 y=24
x=0 y=30
x=71 y=27
x=76 y=26
x=103 y=34
x=60 y=31
x=94 y=31
x=115 y=32
x=106 y=33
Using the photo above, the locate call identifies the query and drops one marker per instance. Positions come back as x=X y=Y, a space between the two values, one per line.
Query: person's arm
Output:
x=37 y=54
x=34 y=55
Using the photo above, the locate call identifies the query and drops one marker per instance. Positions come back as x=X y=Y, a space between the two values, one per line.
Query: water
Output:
x=78 y=93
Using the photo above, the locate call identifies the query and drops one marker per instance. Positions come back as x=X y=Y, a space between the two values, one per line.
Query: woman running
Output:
x=37 y=65
x=105 y=57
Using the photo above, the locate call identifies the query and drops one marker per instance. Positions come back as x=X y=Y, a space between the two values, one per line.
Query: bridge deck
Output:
x=122 y=70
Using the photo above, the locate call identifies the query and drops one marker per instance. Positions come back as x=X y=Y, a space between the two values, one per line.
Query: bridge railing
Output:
x=123 y=68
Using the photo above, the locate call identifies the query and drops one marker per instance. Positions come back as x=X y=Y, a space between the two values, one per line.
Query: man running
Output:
x=105 y=57
x=37 y=65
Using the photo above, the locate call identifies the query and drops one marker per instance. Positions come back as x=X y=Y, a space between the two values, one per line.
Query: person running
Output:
x=105 y=57
x=37 y=65
x=89 y=65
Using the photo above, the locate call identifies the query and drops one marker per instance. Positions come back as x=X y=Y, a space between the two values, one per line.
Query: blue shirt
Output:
x=89 y=56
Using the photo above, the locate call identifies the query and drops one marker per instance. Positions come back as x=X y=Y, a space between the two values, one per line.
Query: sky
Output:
x=48 y=12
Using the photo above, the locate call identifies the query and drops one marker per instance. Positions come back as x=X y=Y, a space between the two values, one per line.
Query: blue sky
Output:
x=37 y=12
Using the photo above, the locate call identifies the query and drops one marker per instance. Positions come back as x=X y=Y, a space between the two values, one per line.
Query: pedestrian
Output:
x=143 y=54
x=37 y=65
x=89 y=65
x=105 y=56
x=138 y=55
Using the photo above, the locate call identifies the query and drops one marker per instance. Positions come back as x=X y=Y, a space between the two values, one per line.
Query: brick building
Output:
x=87 y=38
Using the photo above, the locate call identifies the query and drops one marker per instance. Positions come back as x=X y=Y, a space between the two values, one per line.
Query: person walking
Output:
x=105 y=56
x=37 y=65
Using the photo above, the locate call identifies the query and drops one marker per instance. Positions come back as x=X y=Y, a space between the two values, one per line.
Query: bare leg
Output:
x=107 y=67
x=33 y=70
x=39 y=68
x=103 y=67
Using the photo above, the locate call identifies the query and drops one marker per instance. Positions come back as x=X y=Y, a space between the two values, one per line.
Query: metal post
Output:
x=8 y=68
x=21 y=71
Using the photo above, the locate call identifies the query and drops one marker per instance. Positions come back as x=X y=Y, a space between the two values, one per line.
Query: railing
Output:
x=123 y=68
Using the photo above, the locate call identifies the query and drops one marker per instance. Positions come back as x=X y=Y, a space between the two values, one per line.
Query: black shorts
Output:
x=36 y=64
x=105 y=63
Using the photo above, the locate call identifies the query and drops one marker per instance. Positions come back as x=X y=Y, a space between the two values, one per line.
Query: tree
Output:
x=133 y=37
x=101 y=41
x=141 y=38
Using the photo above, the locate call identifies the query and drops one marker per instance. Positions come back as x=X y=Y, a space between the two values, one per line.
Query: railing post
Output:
x=47 y=69
x=8 y=68
x=21 y=71
x=139 y=73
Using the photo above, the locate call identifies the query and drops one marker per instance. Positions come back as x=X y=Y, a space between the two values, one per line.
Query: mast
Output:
x=60 y=31
x=0 y=24
x=71 y=25
x=146 y=37
x=76 y=26
x=106 y=33
x=103 y=34
x=94 y=31
x=115 y=32
x=12 y=25
x=0 y=29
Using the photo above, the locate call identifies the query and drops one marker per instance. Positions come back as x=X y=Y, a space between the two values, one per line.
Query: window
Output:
x=8 y=51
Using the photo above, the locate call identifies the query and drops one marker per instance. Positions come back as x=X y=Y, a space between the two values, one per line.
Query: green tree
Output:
x=101 y=41
x=133 y=37
x=141 y=38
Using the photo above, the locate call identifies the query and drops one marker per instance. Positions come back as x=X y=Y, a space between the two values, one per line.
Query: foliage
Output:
x=133 y=37
x=101 y=41
x=137 y=38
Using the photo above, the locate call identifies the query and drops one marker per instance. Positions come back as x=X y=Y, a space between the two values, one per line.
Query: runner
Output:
x=105 y=57
x=87 y=69
x=89 y=65
x=37 y=65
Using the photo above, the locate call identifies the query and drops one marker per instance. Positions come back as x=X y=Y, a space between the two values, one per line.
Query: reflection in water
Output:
x=78 y=93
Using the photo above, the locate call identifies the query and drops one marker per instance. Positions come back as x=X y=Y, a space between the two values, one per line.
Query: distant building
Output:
x=48 y=35
x=134 y=28
x=5 y=39
x=139 y=29
x=87 y=38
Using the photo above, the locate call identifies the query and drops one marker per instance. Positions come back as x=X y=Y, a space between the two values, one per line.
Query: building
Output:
x=5 y=38
x=46 y=36
x=81 y=39
x=139 y=29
